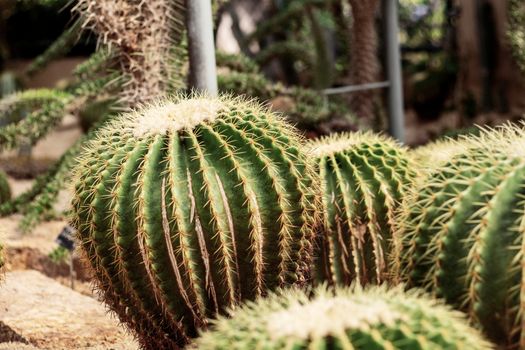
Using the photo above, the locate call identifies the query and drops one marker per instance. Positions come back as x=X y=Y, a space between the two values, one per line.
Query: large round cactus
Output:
x=363 y=178
x=5 y=189
x=191 y=206
x=464 y=233
x=347 y=318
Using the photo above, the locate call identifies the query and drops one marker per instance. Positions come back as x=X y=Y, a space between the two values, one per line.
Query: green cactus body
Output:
x=190 y=207
x=463 y=235
x=5 y=189
x=346 y=318
x=363 y=178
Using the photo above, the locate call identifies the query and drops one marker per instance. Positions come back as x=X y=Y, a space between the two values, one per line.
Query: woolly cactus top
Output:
x=176 y=115
x=181 y=113
x=347 y=318
x=506 y=141
x=327 y=315
x=333 y=144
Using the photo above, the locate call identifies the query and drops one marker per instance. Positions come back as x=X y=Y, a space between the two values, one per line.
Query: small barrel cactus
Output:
x=344 y=318
x=5 y=189
x=189 y=207
x=463 y=231
x=363 y=178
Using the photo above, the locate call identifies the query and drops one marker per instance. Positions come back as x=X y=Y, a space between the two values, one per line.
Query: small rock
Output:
x=52 y=316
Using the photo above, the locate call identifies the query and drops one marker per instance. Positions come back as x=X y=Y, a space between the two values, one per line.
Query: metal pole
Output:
x=203 y=70
x=354 y=88
x=395 y=93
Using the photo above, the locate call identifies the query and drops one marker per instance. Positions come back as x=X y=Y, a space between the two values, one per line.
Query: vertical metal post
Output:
x=203 y=70
x=395 y=92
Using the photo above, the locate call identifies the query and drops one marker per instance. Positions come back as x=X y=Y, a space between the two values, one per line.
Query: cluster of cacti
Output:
x=363 y=179
x=191 y=206
x=343 y=318
x=463 y=227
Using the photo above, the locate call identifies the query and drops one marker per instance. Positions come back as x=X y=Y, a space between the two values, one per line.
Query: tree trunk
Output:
x=364 y=60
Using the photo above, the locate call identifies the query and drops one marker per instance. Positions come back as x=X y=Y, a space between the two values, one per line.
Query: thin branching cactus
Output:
x=344 y=318
x=363 y=179
x=189 y=207
x=463 y=232
x=5 y=189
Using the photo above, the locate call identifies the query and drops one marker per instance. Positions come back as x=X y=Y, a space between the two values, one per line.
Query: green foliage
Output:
x=299 y=21
x=59 y=255
x=236 y=63
x=516 y=34
x=421 y=22
x=191 y=206
x=363 y=179
x=304 y=107
x=291 y=49
x=15 y=107
x=346 y=318
x=293 y=10
x=34 y=126
x=5 y=189
x=462 y=230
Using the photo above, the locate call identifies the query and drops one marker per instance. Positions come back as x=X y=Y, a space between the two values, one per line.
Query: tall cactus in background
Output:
x=145 y=37
x=349 y=318
x=189 y=207
x=363 y=178
x=463 y=230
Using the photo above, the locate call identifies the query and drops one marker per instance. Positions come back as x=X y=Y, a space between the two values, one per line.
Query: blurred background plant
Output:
x=458 y=70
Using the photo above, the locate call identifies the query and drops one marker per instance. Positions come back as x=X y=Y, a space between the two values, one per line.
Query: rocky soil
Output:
x=45 y=304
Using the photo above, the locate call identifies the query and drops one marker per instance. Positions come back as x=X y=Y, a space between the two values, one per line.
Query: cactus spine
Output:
x=191 y=206
x=346 y=318
x=463 y=229
x=363 y=177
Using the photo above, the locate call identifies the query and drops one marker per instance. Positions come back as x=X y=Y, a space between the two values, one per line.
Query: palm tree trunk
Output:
x=364 y=60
